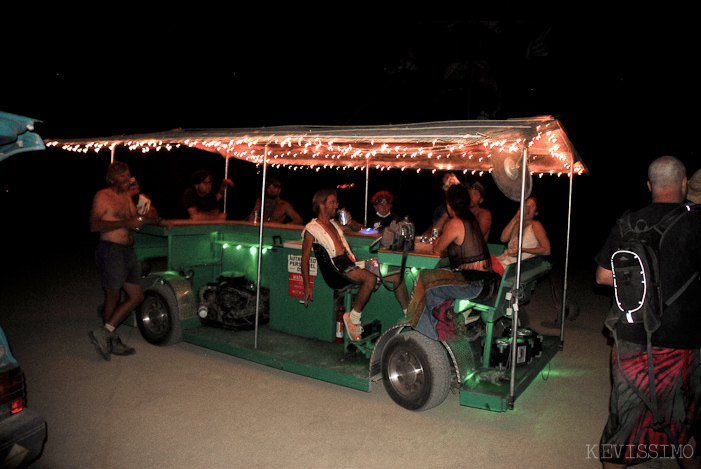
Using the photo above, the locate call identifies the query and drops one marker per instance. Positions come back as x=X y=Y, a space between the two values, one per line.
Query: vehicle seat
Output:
x=333 y=277
x=343 y=285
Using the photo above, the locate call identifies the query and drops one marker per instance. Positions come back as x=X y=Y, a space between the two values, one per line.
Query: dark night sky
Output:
x=626 y=91
x=108 y=77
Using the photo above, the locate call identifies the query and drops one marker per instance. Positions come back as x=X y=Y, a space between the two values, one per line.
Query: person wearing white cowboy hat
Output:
x=694 y=188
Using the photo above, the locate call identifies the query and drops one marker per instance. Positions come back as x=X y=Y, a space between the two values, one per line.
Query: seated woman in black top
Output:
x=470 y=265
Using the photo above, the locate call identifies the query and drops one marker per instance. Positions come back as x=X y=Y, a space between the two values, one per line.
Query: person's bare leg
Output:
x=367 y=286
x=135 y=296
x=101 y=337
x=111 y=301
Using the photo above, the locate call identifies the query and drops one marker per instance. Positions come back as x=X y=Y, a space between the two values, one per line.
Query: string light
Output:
x=547 y=150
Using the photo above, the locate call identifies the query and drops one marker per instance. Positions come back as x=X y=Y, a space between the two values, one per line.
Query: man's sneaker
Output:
x=100 y=338
x=354 y=330
x=118 y=347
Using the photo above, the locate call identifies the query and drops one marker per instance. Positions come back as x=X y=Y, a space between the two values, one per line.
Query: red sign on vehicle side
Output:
x=296 y=285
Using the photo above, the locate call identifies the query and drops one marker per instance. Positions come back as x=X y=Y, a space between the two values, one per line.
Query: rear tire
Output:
x=157 y=317
x=416 y=371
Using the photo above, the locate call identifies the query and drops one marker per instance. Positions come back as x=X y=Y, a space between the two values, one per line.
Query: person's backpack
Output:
x=636 y=272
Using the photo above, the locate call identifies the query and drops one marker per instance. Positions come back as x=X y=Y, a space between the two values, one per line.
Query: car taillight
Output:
x=12 y=391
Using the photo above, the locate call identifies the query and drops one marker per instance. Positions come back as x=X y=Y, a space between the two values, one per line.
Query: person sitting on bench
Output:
x=535 y=239
x=470 y=273
x=325 y=231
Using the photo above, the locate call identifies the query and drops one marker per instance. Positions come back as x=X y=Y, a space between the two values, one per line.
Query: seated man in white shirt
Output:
x=327 y=232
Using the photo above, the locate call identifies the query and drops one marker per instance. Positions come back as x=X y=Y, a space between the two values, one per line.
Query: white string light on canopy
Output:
x=464 y=146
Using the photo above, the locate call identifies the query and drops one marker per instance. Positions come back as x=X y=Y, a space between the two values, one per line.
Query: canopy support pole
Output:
x=516 y=291
x=567 y=261
x=367 y=188
x=226 y=176
x=260 y=245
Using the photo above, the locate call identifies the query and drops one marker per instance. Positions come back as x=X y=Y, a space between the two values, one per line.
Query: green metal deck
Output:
x=327 y=361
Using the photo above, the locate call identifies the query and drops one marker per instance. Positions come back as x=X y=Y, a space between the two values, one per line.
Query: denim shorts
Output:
x=117 y=265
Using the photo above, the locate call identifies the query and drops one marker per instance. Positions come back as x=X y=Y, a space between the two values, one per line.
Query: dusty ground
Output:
x=185 y=406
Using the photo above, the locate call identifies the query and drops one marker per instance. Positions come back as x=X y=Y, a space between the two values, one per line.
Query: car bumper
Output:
x=22 y=438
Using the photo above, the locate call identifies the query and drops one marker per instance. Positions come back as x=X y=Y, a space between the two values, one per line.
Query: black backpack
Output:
x=636 y=272
x=638 y=291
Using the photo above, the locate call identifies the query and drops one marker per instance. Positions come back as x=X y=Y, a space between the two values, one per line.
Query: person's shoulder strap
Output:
x=673 y=215
x=671 y=218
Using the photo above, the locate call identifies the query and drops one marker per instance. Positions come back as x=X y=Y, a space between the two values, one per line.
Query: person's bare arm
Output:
x=507 y=232
x=604 y=276
x=485 y=222
x=223 y=186
x=292 y=213
x=196 y=214
x=306 y=254
x=451 y=231
x=256 y=208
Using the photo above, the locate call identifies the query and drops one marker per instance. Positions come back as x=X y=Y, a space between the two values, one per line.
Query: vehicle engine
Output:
x=231 y=303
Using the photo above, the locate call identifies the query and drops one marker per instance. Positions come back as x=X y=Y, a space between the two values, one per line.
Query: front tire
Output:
x=415 y=371
x=157 y=317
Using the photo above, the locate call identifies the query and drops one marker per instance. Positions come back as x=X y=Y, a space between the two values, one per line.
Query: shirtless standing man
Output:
x=114 y=216
x=327 y=232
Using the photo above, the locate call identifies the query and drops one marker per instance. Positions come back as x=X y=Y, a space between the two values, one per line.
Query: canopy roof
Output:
x=451 y=145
